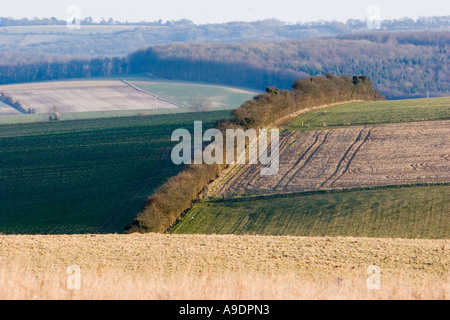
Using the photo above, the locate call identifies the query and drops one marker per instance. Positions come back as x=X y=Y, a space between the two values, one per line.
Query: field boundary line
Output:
x=376 y=123
x=151 y=94
x=310 y=156
x=239 y=198
x=282 y=121
x=346 y=154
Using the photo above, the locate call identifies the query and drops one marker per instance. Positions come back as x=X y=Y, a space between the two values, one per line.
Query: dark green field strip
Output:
x=372 y=113
x=70 y=177
x=97 y=125
x=402 y=212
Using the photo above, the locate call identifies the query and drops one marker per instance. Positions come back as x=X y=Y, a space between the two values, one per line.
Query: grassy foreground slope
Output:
x=202 y=267
x=373 y=112
x=408 y=212
x=86 y=176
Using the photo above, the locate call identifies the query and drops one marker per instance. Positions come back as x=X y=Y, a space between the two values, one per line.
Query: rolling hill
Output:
x=334 y=184
x=407 y=213
x=135 y=93
x=353 y=157
x=93 y=176
x=372 y=113
x=85 y=176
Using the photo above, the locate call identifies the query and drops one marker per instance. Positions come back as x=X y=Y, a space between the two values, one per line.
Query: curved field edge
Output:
x=85 y=176
x=372 y=113
x=165 y=207
x=178 y=92
x=400 y=212
x=181 y=93
x=156 y=266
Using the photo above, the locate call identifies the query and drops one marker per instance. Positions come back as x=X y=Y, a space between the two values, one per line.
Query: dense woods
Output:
x=112 y=38
x=62 y=69
x=401 y=65
x=167 y=205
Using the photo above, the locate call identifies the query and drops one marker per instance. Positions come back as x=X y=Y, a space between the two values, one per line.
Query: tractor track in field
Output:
x=300 y=159
x=313 y=153
x=345 y=158
x=341 y=162
x=347 y=167
x=254 y=173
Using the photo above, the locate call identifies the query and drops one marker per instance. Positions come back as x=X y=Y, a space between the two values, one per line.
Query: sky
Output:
x=213 y=11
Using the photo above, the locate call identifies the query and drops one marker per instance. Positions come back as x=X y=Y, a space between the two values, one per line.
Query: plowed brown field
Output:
x=353 y=157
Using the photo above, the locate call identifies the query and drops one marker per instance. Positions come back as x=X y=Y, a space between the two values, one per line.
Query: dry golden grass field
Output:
x=221 y=267
x=83 y=96
x=393 y=154
x=226 y=267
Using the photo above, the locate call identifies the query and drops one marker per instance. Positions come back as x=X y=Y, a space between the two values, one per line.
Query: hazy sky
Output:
x=210 y=11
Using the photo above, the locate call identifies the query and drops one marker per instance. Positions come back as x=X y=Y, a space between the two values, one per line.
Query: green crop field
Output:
x=407 y=212
x=180 y=93
x=373 y=112
x=403 y=212
x=221 y=97
x=68 y=116
x=85 y=176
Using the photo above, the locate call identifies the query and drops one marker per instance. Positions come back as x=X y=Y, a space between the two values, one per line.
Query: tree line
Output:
x=15 y=104
x=395 y=24
x=46 y=70
x=401 y=65
x=114 y=38
x=166 y=206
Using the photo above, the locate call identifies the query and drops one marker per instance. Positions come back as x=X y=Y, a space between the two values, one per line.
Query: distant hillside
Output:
x=401 y=65
x=110 y=38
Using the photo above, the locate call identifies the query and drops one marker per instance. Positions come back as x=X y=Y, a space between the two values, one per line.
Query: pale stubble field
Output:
x=84 y=96
x=221 y=267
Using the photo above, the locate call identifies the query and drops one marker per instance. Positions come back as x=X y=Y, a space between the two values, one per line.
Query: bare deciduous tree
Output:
x=200 y=103
x=55 y=115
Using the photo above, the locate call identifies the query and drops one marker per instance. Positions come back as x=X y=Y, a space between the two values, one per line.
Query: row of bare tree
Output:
x=171 y=200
